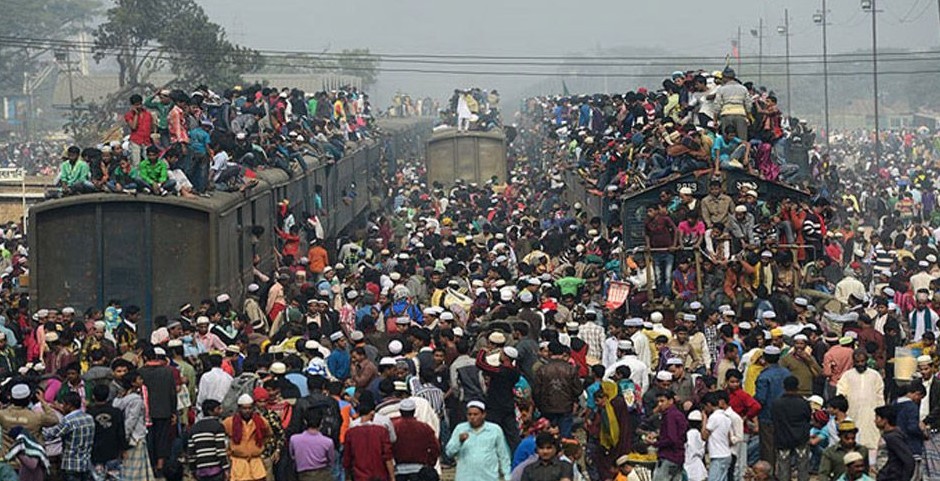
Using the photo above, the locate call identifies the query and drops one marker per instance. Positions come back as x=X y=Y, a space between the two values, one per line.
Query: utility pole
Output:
x=760 y=51
x=823 y=18
x=739 y=49
x=870 y=7
x=785 y=31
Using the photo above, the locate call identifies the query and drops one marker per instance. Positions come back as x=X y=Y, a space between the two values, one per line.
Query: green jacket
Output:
x=73 y=174
x=152 y=173
x=162 y=110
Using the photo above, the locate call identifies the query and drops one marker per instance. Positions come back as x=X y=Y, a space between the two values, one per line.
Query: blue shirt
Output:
x=770 y=388
x=199 y=140
x=299 y=380
x=11 y=337
x=525 y=450
x=722 y=150
x=338 y=362
x=483 y=456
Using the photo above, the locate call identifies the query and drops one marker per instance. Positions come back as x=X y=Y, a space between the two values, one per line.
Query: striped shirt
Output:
x=206 y=447
x=434 y=396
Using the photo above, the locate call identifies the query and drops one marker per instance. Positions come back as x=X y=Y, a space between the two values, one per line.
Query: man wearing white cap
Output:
x=417 y=445
x=769 y=388
x=499 y=395
x=930 y=405
x=801 y=364
x=18 y=413
x=923 y=278
x=479 y=447
x=641 y=342
x=252 y=308
x=339 y=360
x=98 y=341
x=639 y=372
x=248 y=432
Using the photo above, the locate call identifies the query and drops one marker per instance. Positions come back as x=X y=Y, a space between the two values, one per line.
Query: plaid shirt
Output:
x=711 y=338
x=77 y=431
x=593 y=335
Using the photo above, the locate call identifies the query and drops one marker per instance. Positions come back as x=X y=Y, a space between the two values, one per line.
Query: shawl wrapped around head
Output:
x=610 y=427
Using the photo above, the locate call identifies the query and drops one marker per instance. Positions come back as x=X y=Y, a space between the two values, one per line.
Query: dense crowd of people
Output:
x=193 y=144
x=500 y=331
x=39 y=157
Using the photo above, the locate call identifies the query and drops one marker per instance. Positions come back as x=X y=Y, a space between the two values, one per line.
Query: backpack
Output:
x=245 y=383
x=332 y=420
x=471 y=384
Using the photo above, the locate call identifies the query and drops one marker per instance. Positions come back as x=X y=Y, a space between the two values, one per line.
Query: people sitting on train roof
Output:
x=697 y=121
x=258 y=127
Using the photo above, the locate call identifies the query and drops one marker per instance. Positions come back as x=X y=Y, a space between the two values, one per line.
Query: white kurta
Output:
x=865 y=392
x=641 y=346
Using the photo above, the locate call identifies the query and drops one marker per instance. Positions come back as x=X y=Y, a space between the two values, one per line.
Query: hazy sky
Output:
x=555 y=27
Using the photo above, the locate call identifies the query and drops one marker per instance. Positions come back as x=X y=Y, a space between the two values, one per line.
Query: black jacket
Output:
x=933 y=416
x=791 y=414
x=900 y=463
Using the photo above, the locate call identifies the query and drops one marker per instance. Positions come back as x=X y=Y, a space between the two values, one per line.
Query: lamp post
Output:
x=869 y=6
x=785 y=31
x=822 y=18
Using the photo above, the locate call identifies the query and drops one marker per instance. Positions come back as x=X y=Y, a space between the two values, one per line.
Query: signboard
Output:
x=12 y=174
x=617 y=294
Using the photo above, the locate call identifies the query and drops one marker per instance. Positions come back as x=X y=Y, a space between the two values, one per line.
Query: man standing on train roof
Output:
x=734 y=102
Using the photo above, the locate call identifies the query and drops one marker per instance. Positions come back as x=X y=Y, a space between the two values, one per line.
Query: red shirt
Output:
x=140 y=135
x=415 y=442
x=366 y=450
x=746 y=406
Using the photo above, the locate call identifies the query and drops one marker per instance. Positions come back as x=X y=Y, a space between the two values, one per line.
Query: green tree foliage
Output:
x=147 y=35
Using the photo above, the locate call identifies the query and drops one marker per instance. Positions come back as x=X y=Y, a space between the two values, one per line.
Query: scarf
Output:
x=25 y=445
x=238 y=428
x=610 y=427
x=923 y=314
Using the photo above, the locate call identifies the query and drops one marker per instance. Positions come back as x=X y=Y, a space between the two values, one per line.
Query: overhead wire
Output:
x=90 y=45
x=305 y=61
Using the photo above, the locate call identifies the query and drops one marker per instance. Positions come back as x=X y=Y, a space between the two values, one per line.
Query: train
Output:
x=472 y=156
x=158 y=252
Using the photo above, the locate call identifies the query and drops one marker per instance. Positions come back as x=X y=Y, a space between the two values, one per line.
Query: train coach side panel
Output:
x=180 y=240
x=65 y=253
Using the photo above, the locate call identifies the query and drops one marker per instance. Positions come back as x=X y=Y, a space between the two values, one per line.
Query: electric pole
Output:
x=823 y=19
x=785 y=31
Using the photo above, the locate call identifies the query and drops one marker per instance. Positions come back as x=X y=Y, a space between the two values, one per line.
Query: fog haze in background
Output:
x=553 y=27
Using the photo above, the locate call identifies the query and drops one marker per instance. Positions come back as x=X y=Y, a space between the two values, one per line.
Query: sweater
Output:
x=205 y=448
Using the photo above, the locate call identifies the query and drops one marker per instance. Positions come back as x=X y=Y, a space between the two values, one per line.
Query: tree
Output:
x=358 y=63
x=25 y=21
x=147 y=35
